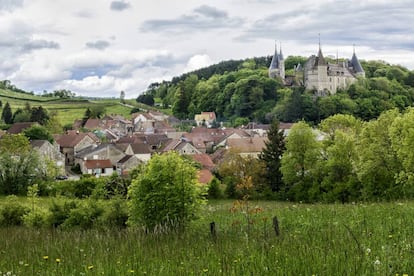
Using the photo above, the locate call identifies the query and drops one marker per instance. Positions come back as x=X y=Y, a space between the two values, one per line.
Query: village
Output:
x=114 y=144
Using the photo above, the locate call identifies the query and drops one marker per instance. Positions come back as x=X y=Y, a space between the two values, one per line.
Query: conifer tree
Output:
x=7 y=115
x=271 y=155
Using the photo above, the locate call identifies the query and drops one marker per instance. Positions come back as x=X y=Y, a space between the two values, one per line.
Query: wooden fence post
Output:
x=276 y=226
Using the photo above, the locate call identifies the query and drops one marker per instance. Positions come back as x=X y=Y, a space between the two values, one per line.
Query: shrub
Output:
x=116 y=214
x=84 y=216
x=58 y=213
x=12 y=212
x=214 y=190
x=36 y=218
x=166 y=194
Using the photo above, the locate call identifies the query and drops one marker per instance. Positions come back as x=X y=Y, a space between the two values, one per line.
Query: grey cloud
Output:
x=209 y=11
x=37 y=44
x=340 y=22
x=10 y=5
x=202 y=18
x=99 y=44
x=119 y=5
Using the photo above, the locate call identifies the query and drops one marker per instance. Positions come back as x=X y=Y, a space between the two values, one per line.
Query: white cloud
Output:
x=197 y=62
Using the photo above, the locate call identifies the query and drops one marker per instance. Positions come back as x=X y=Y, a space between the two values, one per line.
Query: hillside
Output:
x=241 y=91
x=67 y=109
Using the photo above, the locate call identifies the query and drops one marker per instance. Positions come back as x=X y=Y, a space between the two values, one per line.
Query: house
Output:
x=50 y=152
x=126 y=164
x=141 y=151
x=181 y=146
x=205 y=139
x=100 y=152
x=247 y=147
x=143 y=122
x=17 y=128
x=97 y=167
x=73 y=142
x=205 y=119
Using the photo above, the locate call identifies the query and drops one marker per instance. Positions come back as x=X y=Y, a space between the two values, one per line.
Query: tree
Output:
x=122 y=97
x=166 y=194
x=39 y=114
x=299 y=159
x=7 y=115
x=19 y=165
x=272 y=154
x=37 y=132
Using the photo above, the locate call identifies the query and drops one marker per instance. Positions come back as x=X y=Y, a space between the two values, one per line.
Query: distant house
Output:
x=247 y=147
x=205 y=119
x=98 y=167
x=181 y=146
x=126 y=164
x=50 y=152
x=207 y=165
x=141 y=151
x=100 y=152
x=17 y=128
x=73 y=142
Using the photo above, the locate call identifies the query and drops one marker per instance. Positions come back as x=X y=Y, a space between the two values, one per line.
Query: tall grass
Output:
x=359 y=239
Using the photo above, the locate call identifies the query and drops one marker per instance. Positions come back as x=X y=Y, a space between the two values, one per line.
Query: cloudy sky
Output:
x=100 y=47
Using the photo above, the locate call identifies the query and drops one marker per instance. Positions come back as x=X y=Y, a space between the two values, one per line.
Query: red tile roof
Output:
x=96 y=164
x=17 y=128
x=204 y=176
x=204 y=160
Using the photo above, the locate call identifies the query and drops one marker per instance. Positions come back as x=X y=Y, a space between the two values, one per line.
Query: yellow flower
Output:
x=131 y=271
x=45 y=257
x=205 y=270
x=57 y=260
x=90 y=267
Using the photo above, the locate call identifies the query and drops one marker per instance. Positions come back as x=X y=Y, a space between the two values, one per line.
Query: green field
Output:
x=68 y=110
x=353 y=239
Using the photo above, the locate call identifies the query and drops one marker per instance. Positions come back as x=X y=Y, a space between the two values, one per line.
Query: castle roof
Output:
x=275 y=60
x=320 y=60
x=355 y=64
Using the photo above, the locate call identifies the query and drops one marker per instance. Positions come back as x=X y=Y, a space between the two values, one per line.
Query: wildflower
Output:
x=57 y=261
x=90 y=267
x=131 y=271
x=368 y=251
x=45 y=258
x=377 y=262
x=205 y=270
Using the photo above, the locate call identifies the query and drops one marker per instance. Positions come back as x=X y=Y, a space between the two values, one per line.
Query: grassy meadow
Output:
x=352 y=239
x=67 y=110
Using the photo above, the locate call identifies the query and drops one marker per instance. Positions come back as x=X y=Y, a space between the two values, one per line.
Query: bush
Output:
x=12 y=212
x=166 y=194
x=116 y=214
x=60 y=212
x=84 y=216
x=36 y=218
x=214 y=190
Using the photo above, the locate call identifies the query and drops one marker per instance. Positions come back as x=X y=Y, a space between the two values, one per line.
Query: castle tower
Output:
x=322 y=68
x=356 y=66
x=277 y=66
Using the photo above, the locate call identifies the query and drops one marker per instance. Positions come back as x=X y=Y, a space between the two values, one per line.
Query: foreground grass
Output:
x=360 y=239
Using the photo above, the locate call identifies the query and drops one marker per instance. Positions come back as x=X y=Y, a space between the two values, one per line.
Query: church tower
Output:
x=277 y=66
x=356 y=66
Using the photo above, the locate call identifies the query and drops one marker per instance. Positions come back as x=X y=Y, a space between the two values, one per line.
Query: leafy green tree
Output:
x=39 y=114
x=271 y=156
x=402 y=141
x=7 y=114
x=299 y=160
x=378 y=163
x=37 y=132
x=19 y=165
x=53 y=125
x=166 y=194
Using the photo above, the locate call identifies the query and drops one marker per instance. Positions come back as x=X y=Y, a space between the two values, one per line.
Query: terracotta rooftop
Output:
x=204 y=176
x=96 y=164
x=255 y=144
x=70 y=140
x=204 y=160
x=17 y=128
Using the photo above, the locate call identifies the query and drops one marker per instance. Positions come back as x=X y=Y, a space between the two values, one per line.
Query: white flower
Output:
x=368 y=251
x=377 y=262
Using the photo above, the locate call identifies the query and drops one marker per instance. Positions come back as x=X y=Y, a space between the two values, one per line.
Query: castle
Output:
x=317 y=74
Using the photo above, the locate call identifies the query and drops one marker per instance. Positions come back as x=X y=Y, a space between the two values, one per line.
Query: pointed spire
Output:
x=320 y=59
x=356 y=64
x=275 y=60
